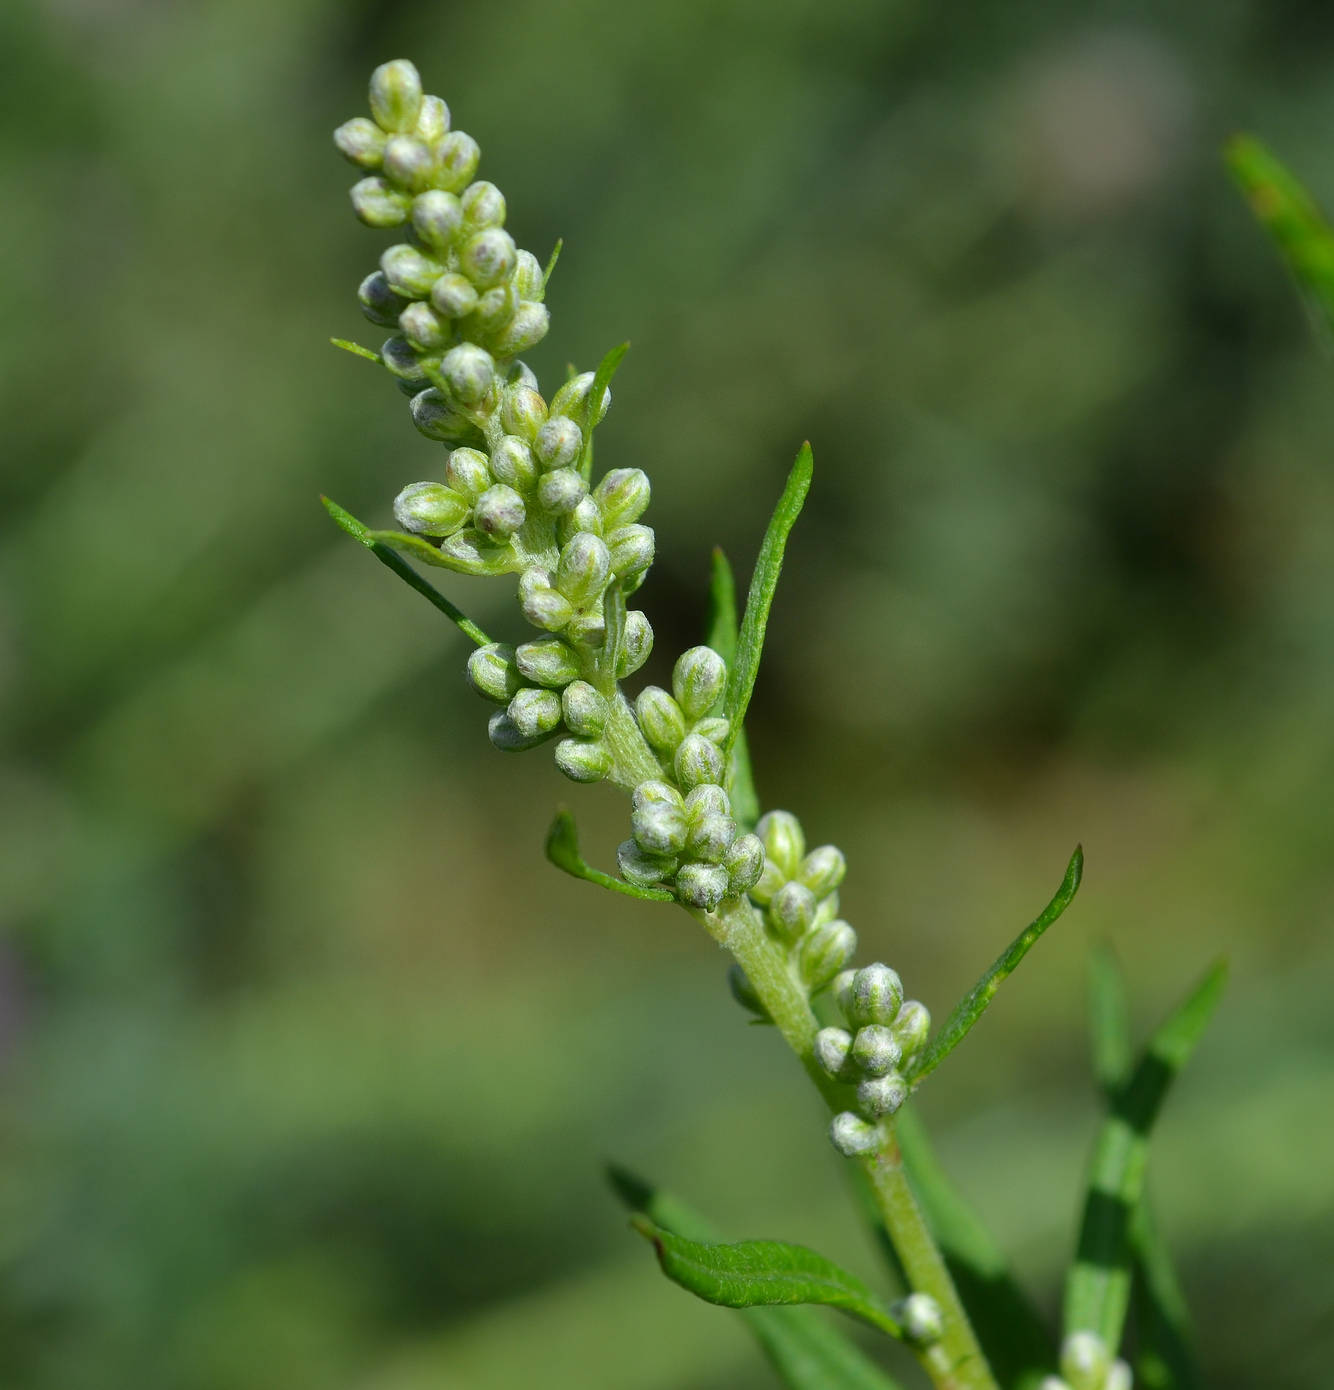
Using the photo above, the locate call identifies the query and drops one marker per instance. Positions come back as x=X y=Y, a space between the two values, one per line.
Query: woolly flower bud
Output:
x=791 y=911
x=525 y=330
x=707 y=800
x=512 y=463
x=920 y=1317
x=585 y=709
x=528 y=275
x=701 y=885
x=711 y=838
x=623 y=496
x=588 y=627
x=582 y=572
x=654 y=792
x=558 y=442
x=523 y=412
x=697 y=681
x=572 y=400
x=561 y=491
x=408 y=162
x=771 y=879
x=784 y=842
x=825 y=952
x=1085 y=1361
x=505 y=734
x=851 y=1135
x=495 y=307
x=434 y=417
x=822 y=870
x=469 y=371
x=401 y=359
x=483 y=205
x=697 y=760
x=875 y=995
x=493 y=674
x=436 y=218
x=643 y=869
x=547 y=661
x=467 y=472
x=499 y=511
x=635 y=645
x=432 y=121
x=583 y=760
x=535 y=712
x=585 y=517
x=422 y=327
x=396 y=95
x=660 y=719
x=744 y=992
x=875 y=1049
x=912 y=1027
x=542 y=605
x=378 y=302
x=456 y=159
x=743 y=863
x=715 y=730
x=659 y=828
x=410 y=272
x=361 y=141
x=454 y=296
x=430 y=509
x=487 y=257
x=882 y=1095
x=831 y=1049
x=379 y=205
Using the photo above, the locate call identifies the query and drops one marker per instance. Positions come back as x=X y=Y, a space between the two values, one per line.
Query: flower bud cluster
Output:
x=1087 y=1364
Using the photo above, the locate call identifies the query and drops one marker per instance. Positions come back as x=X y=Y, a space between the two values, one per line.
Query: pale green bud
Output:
x=875 y=1048
x=433 y=121
x=494 y=674
x=535 y=711
x=456 y=159
x=586 y=711
x=396 y=95
x=1085 y=1361
x=422 y=327
x=548 y=661
x=743 y=863
x=494 y=308
x=912 y=1027
x=744 y=992
x=361 y=142
x=430 y=509
x=660 y=719
x=631 y=549
x=512 y=463
x=378 y=302
x=882 y=1095
x=784 y=842
x=711 y=838
x=920 y=1318
x=697 y=760
x=559 y=442
x=401 y=359
x=582 y=572
x=435 y=418
x=832 y=1046
x=379 y=205
x=483 y=206
x=408 y=162
x=825 y=952
x=659 y=828
x=791 y=910
x=410 y=272
x=541 y=604
x=436 y=218
x=469 y=371
x=699 y=675
x=572 y=400
x=1119 y=1376
x=505 y=734
x=643 y=869
x=623 y=495
x=584 y=759
x=499 y=512
x=655 y=792
x=523 y=412
x=487 y=257
x=876 y=994
x=822 y=870
x=528 y=275
x=851 y=1135
x=525 y=330
x=585 y=517
x=588 y=628
x=715 y=730
x=636 y=644
x=454 y=296
x=771 y=879
x=707 y=800
x=701 y=885
x=561 y=491
x=467 y=471
x=843 y=991
x=827 y=910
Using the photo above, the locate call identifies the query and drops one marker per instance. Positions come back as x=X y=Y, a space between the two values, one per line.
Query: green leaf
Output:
x=806 y=1351
x=763 y=582
x=405 y=572
x=601 y=380
x=356 y=349
x=1291 y=216
x=551 y=265
x=1097 y=1289
x=721 y=635
x=974 y=1004
x=563 y=851
x=762 y=1273
x=1109 y=1026
x=1164 y=1356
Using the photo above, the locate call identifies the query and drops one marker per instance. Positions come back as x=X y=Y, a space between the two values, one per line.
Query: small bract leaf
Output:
x=563 y=851
x=721 y=635
x=356 y=349
x=601 y=380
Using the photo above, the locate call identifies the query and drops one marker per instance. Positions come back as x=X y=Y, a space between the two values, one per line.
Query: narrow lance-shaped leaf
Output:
x=405 y=572
x=1109 y=1027
x=563 y=851
x=601 y=380
x=356 y=349
x=973 y=1005
x=721 y=635
x=551 y=265
x=763 y=582
x=1098 y=1287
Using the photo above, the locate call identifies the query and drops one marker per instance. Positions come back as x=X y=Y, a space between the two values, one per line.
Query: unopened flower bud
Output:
x=467 y=471
x=379 y=205
x=877 y=993
x=654 y=792
x=912 y=1027
x=430 y=509
x=400 y=357
x=378 y=302
x=832 y=1046
x=505 y=734
x=547 y=661
x=361 y=141
x=660 y=719
x=542 y=605
x=744 y=992
x=697 y=760
x=698 y=679
x=584 y=759
x=822 y=870
x=433 y=416
x=558 y=442
x=582 y=572
x=701 y=885
x=707 y=800
x=525 y=329
x=1085 y=1361
x=436 y=218
x=456 y=159
x=528 y=275
x=495 y=308
x=842 y=988
x=494 y=674
x=588 y=628
x=561 y=491
x=454 y=296
x=851 y=1135
x=432 y=120
x=523 y=412
x=499 y=511
x=408 y=162
x=410 y=272
x=585 y=517
x=827 y=910
x=715 y=730
x=635 y=645
x=572 y=400
x=882 y=1095
x=659 y=828
x=585 y=709
x=535 y=712
x=512 y=463
x=743 y=863
x=483 y=205
x=422 y=327
x=875 y=1048
x=791 y=911
x=920 y=1318
x=711 y=838
x=643 y=869
x=825 y=952
x=469 y=371
x=396 y=95
x=487 y=257
x=623 y=495
x=784 y=842
x=771 y=879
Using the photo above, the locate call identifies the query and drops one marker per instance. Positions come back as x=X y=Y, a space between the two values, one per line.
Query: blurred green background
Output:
x=310 y=1062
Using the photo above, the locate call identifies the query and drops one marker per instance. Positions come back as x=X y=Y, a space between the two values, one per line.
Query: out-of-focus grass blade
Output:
x=601 y=380
x=972 y=1006
x=806 y=1351
x=1018 y=1346
x=1109 y=1022
x=563 y=851
x=551 y=265
x=1291 y=216
x=763 y=582
x=405 y=572
x=1098 y=1287
x=721 y=635
x=1164 y=1355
